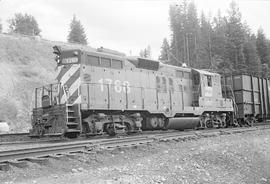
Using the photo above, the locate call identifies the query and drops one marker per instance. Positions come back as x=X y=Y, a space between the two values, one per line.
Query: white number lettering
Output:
x=70 y=60
x=101 y=84
x=118 y=85
x=126 y=86
x=109 y=82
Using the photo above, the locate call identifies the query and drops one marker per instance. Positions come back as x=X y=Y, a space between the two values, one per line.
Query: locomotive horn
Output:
x=57 y=50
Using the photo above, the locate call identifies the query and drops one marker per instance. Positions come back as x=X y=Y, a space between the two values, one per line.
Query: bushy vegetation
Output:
x=25 y=64
x=24 y=24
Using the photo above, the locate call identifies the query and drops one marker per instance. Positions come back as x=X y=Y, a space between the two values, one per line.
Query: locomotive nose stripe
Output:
x=74 y=96
x=71 y=80
x=61 y=71
x=69 y=74
x=78 y=100
x=74 y=86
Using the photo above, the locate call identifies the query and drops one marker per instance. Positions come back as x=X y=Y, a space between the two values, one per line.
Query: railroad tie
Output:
x=19 y=164
x=4 y=166
x=37 y=160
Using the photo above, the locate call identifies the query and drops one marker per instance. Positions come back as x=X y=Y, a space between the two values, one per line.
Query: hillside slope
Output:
x=25 y=63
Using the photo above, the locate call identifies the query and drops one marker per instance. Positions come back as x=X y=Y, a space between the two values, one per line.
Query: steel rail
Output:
x=14 y=134
x=88 y=145
x=20 y=154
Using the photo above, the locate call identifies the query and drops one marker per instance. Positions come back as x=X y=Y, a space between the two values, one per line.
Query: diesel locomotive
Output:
x=103 y=91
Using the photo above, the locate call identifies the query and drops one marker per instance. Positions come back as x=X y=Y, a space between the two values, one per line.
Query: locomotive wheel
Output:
x=127 y=128
x=110 y=130
x=223 y=123
x=235 y=123
x=209 y=124
x=166 y=123
x=153 y=123
x=161 y=123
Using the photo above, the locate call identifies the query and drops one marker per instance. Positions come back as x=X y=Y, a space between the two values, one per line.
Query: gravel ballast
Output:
x=235 y=158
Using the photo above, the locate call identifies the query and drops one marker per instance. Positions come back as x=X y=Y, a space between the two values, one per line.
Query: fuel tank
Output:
x=182 y=123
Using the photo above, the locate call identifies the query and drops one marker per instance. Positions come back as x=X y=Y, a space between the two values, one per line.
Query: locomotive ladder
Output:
x=72 y=120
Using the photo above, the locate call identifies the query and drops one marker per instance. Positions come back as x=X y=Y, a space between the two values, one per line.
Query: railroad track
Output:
x=13 y=157
x=14 y=137
x=22 y=138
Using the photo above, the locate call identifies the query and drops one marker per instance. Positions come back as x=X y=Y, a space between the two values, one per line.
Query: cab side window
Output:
x=171 y=87
x=92 y=60
x=209 y=80
x=105 y=62
x=164 y=85
x=196 y=79
x=117 y=64
x=158 y=83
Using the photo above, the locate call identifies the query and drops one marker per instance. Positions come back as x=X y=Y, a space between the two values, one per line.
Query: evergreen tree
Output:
x=262 y=47
x=177 y=15
x=225 y=44
x=218 y=42
x=191 y=34
x=24 y=24
x=76 y=33
x=164 y=53
x=146 y=53
x=204 y=43
x=184 y=26
x=265 y=70
x=252 y=60
x=235 y=38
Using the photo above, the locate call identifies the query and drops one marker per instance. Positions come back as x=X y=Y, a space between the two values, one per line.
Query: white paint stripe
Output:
x=59 y=68
x=64 y=98
x=74 y=86
x=71 y=90
x=69 y=73
x=78 y=100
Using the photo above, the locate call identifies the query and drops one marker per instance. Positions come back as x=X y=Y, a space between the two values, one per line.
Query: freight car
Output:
x=103 y=91
x=251 y=95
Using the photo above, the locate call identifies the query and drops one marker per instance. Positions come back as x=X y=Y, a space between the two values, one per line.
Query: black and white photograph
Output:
x=135 y=92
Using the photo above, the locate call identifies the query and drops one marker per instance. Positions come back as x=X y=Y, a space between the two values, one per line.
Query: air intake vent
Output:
x=148 y=64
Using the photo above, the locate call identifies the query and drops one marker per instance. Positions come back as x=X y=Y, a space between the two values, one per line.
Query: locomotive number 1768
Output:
x=117 y=85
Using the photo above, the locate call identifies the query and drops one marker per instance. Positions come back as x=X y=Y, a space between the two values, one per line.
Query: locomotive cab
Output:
x=206 y=86
x=207 y=95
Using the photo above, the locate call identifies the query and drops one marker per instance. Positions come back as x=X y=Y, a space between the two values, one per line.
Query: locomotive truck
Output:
x=103 y=91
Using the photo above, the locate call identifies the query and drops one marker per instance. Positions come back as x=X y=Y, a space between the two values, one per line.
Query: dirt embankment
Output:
x=25 y=63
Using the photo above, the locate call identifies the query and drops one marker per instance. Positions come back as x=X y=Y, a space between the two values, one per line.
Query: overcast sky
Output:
x=123 y=25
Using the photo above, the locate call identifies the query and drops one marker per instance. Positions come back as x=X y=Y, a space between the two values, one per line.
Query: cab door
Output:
x=196 y=88
x=164 y=97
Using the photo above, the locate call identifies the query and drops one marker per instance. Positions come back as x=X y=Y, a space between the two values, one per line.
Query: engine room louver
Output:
x=148 y=64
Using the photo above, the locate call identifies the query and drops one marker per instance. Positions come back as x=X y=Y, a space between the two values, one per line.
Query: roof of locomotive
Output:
x=132 y=61
x=205 y=72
